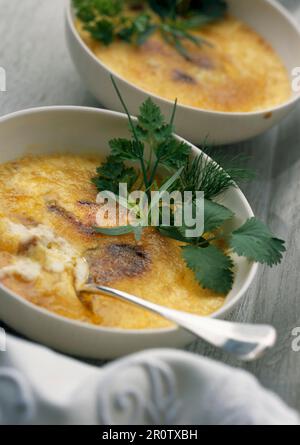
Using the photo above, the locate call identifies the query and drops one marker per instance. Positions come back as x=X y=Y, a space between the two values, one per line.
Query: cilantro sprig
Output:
x=109 y=20
x=153 y=146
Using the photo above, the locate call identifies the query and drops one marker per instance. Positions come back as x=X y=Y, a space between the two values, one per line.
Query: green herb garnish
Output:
x=114 y=172
x=108 y=20
x=212 y=268
x=255 y=241
x=154 y=146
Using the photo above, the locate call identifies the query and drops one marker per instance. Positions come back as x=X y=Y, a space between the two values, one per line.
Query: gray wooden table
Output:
x=40 y=72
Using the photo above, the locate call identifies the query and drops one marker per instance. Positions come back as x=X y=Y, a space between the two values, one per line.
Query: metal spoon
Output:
x=245 y=341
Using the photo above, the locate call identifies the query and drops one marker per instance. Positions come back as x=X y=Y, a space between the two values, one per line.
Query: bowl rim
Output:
x=273 y=3
x=109 y=330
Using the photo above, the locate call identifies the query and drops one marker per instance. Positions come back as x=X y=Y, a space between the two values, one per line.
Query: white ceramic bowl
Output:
x=81 y=130
x=267 y=17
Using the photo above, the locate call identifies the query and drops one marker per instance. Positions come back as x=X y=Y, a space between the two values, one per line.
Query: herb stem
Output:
x=173 y=112
x=125 y=108
x=209 y=240
x=132 y=126
x=144 y=171
x=153 y=171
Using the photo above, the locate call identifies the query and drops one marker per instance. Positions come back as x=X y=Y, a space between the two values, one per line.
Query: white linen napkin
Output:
x=39 y=386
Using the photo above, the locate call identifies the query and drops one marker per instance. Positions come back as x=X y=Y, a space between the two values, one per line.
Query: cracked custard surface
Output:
x=47 y=214
x=238 y=72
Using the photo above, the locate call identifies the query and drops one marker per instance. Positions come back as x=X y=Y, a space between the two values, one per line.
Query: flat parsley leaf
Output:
x=212 y=268
x=254 y=241
x=215 y=215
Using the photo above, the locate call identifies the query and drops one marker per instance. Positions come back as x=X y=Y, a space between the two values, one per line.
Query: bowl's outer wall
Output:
x=80 y=340
x=87 y=130
x=193 y=124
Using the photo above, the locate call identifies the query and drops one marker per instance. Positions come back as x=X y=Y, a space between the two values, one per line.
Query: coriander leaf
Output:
x=212 y=268
x=125 y=149
x=255 y=241
x=112 y=173
x=215 y=215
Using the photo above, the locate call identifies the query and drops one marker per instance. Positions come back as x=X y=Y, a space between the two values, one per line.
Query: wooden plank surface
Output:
x=40 y=72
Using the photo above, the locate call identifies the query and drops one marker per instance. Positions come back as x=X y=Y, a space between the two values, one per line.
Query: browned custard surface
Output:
x=238 y=72
x=47 y=215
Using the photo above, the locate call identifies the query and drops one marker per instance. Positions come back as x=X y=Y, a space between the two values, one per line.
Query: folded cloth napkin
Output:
x=157 y=387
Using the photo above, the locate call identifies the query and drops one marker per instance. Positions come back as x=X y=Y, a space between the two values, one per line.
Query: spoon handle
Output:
x=246 y=341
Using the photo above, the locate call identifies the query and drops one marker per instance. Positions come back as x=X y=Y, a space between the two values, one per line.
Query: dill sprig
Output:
x=202 y=174
x=234 y=165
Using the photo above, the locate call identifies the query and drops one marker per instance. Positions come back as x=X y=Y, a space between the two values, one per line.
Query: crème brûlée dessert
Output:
x=47 y=239
x=235 y=70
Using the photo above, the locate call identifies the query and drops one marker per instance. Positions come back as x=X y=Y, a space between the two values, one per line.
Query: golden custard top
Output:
x=238 y=72
x=47 y=214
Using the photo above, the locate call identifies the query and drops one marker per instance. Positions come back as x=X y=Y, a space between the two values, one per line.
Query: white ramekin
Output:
x=267 y=17
x=87 y=130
